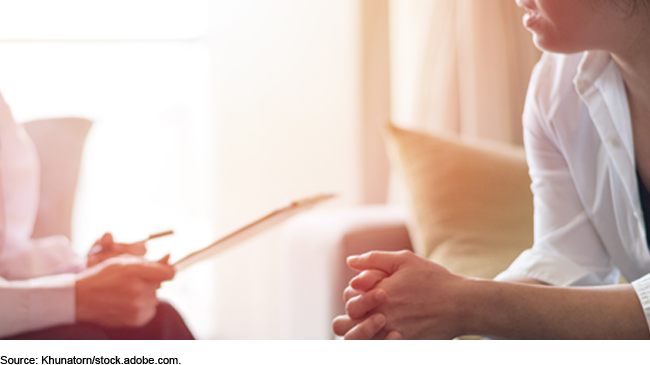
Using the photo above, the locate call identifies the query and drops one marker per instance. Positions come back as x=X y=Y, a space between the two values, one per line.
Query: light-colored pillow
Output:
x=471 y=204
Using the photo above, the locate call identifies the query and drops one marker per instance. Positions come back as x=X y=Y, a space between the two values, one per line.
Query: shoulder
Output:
x=551 y=83
x=552 y=100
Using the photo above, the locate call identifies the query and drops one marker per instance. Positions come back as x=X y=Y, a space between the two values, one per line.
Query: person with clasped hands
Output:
x=47 y=291
x=586 y=133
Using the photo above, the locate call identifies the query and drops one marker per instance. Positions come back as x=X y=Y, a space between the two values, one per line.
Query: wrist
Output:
x=78 y=299
x=478 y=306
x=83 y=295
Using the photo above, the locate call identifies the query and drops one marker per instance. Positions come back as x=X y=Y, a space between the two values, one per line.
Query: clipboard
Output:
x=252 y=229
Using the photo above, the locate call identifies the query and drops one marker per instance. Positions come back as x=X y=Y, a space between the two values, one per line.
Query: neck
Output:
x=633 y=61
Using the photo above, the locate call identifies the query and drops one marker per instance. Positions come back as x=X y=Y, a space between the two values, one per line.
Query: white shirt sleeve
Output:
x=36 y=275
x=567 y=248
x=31 y=258
x=642 y=288
x=38 y=303
x=37 y=284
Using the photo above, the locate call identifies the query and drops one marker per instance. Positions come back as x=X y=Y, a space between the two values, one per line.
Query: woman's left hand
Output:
x=105 y=248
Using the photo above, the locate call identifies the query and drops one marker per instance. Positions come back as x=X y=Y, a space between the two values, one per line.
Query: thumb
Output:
x=385 y=261
x=106 y=240
x=165 y=260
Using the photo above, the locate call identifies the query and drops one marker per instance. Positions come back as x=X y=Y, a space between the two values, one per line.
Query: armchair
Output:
x=316 y=245
x=59 y=143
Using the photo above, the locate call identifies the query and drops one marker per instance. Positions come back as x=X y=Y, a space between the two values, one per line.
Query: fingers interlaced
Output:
x=363 y=303
x=367 y=279
x=359 y=329
x=350 y=293
x=362 y=297
x=385 y=261
x=369 y=328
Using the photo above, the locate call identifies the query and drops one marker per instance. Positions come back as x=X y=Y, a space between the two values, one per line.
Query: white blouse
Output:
x=579 y=146
x=36 y=275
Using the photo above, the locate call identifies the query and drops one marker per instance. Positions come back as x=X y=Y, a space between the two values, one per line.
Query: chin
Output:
x=556 y=44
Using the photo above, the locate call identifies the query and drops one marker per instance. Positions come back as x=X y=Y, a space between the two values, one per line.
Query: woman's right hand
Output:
x=120 y=291
x=105 y=248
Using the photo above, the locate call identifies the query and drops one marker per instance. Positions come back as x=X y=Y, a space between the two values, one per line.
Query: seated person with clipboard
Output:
x=47 y=291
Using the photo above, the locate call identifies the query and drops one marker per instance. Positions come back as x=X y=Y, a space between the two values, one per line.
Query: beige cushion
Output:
x=471 y=205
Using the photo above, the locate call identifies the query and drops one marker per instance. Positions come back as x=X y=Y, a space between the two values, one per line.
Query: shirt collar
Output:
x=602 y=89
x=600 y=84
x=591 y=67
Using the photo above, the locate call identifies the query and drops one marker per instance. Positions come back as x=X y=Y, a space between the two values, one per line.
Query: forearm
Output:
x=522 y=311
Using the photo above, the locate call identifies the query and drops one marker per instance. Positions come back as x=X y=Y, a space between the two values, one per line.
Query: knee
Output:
x=83 y=332
x=170 y=323
x=166 y=310
x=79 y=331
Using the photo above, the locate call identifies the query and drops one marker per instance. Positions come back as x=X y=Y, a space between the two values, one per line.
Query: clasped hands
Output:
x=118 y=287
x=399 y=295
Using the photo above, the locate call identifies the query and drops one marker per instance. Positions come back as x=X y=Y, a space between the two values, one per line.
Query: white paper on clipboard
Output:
x=268 y=221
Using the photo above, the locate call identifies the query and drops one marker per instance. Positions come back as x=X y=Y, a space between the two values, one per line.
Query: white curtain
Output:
x=468 y=62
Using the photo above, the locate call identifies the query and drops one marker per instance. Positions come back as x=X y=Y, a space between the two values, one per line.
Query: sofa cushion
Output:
x=471 y=205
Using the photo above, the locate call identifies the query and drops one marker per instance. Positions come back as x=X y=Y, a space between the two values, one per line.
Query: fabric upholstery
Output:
x=471 y=205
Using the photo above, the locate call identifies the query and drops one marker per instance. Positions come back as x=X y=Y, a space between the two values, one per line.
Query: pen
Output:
x=156 y=235
x=99 y=248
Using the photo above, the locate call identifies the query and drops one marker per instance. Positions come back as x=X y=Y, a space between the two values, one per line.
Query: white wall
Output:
x=286 y=84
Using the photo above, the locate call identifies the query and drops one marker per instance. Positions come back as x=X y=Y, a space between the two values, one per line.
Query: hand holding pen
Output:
x=105 y=248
